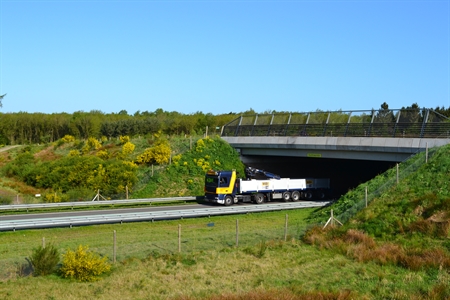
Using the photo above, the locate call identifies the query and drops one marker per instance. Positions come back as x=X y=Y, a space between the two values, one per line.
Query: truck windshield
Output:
x=211 y=181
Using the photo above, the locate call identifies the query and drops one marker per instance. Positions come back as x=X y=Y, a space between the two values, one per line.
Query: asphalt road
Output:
x=80 y=213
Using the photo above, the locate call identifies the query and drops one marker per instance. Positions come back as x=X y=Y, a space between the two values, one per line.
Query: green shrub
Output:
x=259 y=252
x=5 y=200
x=44 y=260
x=83 y=265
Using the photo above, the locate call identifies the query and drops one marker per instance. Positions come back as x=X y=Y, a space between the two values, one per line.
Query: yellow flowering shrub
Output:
x=73 y=153
x=124 y=139
x=91 y=143
x=176 y=158
x=127 y=149
x=68 y=138
x=158 y=134
x=103 y=154
x=200 y=145
x=159 y=154
x=83 y=265
x=52 y=198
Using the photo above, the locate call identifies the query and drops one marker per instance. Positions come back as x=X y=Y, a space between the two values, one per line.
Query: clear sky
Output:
x=223 y=56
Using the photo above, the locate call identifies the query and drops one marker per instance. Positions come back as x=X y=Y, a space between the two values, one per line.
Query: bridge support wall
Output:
x=358 y=148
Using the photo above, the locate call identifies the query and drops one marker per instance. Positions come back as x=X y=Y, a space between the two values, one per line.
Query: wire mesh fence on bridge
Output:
x=412 y=123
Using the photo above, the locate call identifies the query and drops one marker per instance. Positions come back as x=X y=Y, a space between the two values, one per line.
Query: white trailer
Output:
x=225 y=188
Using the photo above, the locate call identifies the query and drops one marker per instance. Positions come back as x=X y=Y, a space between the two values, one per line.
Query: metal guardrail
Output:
x=91 y=203
x=151 y=216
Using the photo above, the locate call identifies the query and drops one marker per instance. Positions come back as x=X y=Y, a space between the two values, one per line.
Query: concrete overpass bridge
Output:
x=380 y=135
x=350 y=147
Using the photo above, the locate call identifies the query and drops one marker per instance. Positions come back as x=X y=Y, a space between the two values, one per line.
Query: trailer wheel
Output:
x=228 y=200
x=308 y=195
x=286 y=196
x=259 y=198
x=295 y=196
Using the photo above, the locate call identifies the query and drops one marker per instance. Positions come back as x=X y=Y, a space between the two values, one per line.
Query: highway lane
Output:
x=94 y=212
x=150 y=213
x=79 y=213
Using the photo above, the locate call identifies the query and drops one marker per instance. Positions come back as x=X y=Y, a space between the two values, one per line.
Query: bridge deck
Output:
x=385 y=135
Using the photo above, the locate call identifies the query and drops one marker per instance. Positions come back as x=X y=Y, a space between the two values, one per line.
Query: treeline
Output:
x=33 y=128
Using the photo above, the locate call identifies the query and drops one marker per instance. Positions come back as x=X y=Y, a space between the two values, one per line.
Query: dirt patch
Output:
x=47 y=154
x=440 y=217
x=6 y=148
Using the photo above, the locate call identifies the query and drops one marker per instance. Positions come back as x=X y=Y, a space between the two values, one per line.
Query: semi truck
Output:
x=224 y=187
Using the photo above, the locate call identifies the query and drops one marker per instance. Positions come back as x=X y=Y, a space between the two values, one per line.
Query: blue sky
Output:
x=223 y=56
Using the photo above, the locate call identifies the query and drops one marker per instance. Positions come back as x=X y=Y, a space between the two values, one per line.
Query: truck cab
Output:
x=220 y=187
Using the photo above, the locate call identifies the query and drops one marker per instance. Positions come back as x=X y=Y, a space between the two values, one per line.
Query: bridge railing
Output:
x=403 y=123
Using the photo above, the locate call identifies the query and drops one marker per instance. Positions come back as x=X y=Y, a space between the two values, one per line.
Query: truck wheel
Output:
x=259 y=198
x=295 y=196
x=228 y=200
x=286 y=196
x=308 y=195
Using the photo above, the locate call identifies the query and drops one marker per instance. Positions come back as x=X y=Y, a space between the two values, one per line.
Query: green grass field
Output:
x=150 y=266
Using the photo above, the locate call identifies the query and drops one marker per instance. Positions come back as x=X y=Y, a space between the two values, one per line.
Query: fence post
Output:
x=365 y=195
x=237 y=232
x=179 y=237
x=397 y=172
x=426 y=154
x=114 y=246
x=285 y=228
x=43 y=242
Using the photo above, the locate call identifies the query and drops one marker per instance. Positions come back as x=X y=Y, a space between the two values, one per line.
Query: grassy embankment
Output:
x=396 y=248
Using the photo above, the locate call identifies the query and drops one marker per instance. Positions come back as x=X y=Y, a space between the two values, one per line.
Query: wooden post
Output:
x=152 y=170
x=365 y=195
x=331 y=220
x=43 y=242
x=114 y=246
x=285 y=228
x=126 y=189
x=237 y=232
x=397 y=173
x=179 y=237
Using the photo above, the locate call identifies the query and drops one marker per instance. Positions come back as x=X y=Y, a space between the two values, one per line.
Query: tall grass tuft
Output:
x=44 y=260
x=439 y=291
